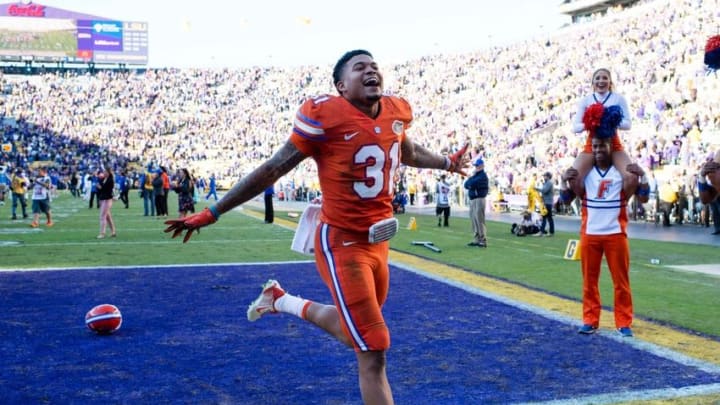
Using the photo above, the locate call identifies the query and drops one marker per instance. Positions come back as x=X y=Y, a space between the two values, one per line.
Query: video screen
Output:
x=73 y=40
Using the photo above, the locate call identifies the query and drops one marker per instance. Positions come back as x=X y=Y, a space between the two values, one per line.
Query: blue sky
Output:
x=284 y=32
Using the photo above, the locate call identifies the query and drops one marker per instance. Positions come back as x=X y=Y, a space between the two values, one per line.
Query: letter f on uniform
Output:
x=603 y=189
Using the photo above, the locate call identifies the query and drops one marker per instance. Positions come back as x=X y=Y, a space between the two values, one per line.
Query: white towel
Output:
x=304 y=239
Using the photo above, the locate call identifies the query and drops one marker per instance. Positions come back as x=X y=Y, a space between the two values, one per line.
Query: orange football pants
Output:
x=617 y=253
x=357 y=274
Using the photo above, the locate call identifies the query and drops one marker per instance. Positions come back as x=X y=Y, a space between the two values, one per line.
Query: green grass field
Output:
x=682 y=299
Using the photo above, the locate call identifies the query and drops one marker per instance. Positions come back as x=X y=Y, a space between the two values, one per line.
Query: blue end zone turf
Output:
x=185 y=339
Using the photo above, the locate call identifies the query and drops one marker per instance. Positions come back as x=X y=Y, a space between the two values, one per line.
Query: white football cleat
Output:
x=264 y=303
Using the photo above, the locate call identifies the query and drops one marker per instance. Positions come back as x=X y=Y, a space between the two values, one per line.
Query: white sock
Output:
x=291 y=304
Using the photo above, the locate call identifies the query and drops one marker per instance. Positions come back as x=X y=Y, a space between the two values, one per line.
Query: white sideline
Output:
x=162 y=266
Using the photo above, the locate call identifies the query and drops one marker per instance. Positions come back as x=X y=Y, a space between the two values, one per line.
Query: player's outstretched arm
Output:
x=416 y=155
x=192 y=223
x=284 y=160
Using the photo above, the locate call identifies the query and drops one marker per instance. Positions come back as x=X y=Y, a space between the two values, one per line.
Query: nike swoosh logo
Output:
x=351 y=136
x=349 y=243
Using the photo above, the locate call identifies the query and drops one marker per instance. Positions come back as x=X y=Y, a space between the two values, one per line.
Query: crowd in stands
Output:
x=514 y=103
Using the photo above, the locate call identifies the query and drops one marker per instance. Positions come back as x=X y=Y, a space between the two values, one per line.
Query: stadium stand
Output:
x=514 y=103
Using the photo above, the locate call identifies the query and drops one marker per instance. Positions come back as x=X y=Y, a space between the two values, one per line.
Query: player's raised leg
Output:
x=274 y=299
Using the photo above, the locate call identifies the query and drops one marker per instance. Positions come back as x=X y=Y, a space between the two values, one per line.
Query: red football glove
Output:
x=190 y=223
x=458 y=161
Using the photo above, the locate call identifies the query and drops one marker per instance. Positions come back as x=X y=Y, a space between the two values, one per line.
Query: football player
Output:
x=358 y=140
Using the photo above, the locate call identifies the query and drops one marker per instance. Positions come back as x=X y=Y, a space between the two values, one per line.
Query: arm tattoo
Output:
x=284 y=160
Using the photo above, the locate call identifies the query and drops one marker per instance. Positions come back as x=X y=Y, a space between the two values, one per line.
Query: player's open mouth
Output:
x=372 y=82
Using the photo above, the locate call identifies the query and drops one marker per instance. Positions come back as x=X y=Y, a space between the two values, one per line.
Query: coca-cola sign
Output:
x=32 y=10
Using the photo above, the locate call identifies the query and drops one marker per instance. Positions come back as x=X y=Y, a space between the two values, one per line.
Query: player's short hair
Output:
x=340 y=65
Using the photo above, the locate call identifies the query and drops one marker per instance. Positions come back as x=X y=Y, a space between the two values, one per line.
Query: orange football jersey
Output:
x=357 y=157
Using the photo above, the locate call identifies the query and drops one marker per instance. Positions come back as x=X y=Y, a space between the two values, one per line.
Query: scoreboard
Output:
x=33 y=32
x=112 y=41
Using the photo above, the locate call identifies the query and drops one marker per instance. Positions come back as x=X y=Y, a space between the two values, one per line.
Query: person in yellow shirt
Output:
x=694 y=135
x=19 y=184
x=412 y=191
x=148 y=193
x=535 y=202
x=668 y=198
x=532 y=194
x=498 y=201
